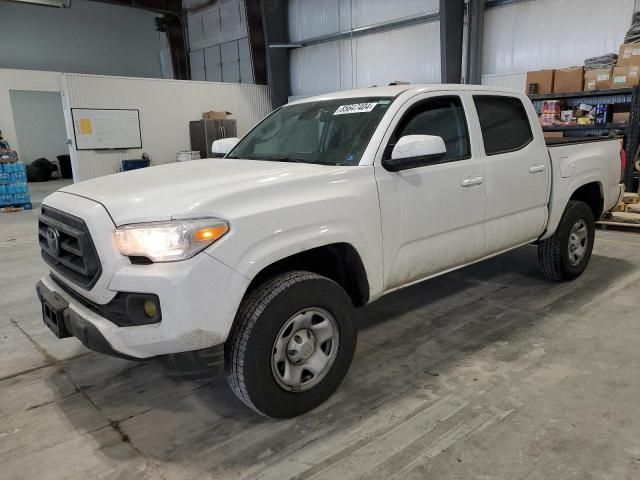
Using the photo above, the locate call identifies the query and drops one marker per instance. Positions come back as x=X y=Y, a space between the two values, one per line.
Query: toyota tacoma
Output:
x=326 y=205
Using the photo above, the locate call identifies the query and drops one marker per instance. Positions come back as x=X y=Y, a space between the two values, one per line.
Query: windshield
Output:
x=330 y=132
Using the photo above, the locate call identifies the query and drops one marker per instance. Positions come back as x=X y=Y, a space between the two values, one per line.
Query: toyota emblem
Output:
x=53 y=241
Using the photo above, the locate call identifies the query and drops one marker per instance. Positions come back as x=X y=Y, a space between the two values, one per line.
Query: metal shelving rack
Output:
x=630 y=131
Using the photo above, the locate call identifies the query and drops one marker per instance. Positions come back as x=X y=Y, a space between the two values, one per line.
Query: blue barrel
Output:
x=134 y=164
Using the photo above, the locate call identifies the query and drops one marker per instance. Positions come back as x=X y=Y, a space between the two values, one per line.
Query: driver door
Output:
x=432 y=216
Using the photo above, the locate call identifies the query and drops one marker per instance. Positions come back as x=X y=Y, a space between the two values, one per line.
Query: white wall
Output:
x=539 y=34
x=166 y=107
x=21 y=80
x=39 y=123
x=90 y=37
x=410 y=53
x=515 y=81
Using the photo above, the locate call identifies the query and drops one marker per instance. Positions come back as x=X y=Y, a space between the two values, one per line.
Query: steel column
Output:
x=257 y=44
x=475 y=35
x=451 y=34
x=276 y=32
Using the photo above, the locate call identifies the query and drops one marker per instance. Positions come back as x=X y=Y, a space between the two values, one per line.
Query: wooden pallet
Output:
x=621 y=220
x=16 y=208
x=604 y=225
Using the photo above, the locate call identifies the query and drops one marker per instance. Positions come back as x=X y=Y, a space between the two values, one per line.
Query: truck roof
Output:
x=395 y=90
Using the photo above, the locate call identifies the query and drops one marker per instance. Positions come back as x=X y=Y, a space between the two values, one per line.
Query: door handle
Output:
x=537 y=168
x=471 y=181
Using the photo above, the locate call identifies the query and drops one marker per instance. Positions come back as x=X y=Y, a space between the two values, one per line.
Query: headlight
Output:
x=169 y=241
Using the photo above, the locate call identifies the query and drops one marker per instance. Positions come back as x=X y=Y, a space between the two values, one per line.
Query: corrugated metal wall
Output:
x=363 y=61
x=523 y=36
x=166 y=107
x=313 y=18
x=537 y=34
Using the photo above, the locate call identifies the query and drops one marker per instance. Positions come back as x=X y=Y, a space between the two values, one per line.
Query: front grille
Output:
x=72 y=254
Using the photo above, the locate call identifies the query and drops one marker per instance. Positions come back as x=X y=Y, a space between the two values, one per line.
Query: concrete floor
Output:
x=491 y=372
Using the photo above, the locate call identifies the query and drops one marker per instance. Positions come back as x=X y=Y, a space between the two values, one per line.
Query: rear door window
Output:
x=504 y=123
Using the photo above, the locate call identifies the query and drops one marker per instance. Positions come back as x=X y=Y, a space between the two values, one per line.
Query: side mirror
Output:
x=414 y=151
x=221 y=147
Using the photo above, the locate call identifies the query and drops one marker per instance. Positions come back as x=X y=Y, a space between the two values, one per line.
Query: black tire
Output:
x=553 y=253
x=261 y=316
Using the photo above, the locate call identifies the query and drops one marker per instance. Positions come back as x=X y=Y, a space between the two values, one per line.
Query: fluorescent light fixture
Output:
x=47 y=3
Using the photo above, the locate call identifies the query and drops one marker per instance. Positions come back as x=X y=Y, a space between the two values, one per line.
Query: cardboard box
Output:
x=621 y=117
x=553 y=134
x=568 y=80
x=567 y=115
x=544 y=80
x=599 y=79
x=629 y=55
x=213 y=115
x=625 y=77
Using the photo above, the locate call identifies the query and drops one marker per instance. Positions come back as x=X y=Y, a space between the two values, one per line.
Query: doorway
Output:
x=40 y=128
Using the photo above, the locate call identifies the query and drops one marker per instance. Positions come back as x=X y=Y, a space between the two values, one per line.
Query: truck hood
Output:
x=209 y=187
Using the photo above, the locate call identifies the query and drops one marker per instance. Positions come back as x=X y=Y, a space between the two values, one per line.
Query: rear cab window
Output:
x=504 y=123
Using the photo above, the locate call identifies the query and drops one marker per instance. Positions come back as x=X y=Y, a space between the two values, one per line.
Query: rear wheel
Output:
x=566 y=254
x=291 y=345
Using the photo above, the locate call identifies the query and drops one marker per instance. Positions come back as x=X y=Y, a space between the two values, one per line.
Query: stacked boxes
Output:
x=14 y=190
x=543 y=81
x=598 y=79
x=568 y=80
x=625 y=77
x=625 y=74
x=629 y=55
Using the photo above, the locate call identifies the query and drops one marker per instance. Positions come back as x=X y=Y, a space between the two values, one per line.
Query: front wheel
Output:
x=291 y=345
x=566 y=254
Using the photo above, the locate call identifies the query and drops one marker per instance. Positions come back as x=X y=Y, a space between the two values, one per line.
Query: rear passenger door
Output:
x=517 y=172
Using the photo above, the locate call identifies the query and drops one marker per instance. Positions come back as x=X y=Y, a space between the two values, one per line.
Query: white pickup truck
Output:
x=329 y=203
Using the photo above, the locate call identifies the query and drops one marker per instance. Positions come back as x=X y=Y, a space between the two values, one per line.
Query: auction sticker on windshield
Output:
x=355 y=108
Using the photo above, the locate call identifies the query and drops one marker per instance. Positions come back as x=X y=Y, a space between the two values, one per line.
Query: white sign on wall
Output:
x=96 y=129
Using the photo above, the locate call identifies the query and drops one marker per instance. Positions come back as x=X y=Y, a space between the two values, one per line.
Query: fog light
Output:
x=150 y=309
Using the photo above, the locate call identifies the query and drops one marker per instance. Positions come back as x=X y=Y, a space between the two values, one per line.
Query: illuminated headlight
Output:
x=169 y=241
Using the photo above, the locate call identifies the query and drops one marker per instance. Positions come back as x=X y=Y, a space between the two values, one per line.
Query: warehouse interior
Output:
x=490 y=371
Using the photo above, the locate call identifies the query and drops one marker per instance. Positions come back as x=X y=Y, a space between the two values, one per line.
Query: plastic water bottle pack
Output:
x=14 y=189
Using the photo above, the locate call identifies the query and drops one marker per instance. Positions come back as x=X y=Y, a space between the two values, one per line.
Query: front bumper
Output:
x=70 y=324
x=65 y=322
x=198 y=297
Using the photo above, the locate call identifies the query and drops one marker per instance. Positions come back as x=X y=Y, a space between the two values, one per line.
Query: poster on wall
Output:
x=101 y=128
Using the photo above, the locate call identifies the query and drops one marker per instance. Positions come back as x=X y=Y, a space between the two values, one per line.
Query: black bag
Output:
x=633 y=34
x=40 y=170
